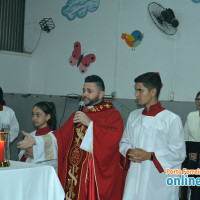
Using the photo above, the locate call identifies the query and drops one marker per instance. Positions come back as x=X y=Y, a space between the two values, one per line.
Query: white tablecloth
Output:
x=25 y=181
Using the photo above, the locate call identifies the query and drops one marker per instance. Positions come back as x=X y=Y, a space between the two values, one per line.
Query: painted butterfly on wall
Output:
x=83 y=62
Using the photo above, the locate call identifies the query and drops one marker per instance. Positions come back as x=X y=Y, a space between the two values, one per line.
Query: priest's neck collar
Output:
x=153 y=110
x=88 y=107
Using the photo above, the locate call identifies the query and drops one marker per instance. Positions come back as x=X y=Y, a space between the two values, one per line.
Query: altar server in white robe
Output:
x=44 y=119
x=153 y=141
x=8 y=118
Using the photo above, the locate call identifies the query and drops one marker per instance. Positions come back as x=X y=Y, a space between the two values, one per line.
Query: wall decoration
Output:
x=83 y=62
x=163 y=18
x=134 y=39
x=79 y=8
x=47 y=24
x=196 y=1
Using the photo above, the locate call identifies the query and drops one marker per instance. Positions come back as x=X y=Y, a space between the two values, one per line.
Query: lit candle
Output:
x=2 y=143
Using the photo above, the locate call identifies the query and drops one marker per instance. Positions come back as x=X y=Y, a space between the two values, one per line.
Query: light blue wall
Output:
x=48 y=70
x=15 y=72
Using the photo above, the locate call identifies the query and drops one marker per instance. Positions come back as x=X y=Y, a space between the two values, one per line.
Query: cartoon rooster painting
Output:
x=134 y=39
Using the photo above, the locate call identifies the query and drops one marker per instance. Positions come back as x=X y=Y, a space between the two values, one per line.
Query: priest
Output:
x=88 y=148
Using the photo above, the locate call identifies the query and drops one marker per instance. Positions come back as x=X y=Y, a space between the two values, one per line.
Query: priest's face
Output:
x=144 y=96
x=91 y=94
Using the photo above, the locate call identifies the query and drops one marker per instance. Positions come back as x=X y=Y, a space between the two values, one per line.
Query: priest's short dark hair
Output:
x=96 y=79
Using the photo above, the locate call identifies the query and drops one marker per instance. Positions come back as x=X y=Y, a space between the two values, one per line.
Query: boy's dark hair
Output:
x=2 y=102
x=150 y=80
x=48 y=108
x=96 y=79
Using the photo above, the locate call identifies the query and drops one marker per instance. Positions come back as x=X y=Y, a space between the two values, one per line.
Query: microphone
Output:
x=81 y=106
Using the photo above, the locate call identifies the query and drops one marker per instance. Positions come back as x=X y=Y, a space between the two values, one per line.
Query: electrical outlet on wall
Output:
x=171 y=96
x=114 y=95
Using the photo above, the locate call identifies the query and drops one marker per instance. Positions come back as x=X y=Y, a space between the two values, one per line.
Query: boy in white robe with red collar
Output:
x=153 y=141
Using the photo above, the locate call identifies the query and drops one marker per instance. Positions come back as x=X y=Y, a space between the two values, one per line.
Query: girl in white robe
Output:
x=44 y=119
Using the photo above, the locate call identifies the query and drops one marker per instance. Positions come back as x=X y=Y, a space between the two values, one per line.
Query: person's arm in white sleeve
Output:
x=87 y=143
x=186 y=131
x=14 y=127
x=21 y=153
x=45 y=148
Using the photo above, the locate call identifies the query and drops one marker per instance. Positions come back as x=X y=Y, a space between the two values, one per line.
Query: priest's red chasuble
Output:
x=96 y=176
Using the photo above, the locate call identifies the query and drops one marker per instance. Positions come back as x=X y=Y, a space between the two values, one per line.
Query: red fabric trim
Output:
x=23 y=159
x=156 y=163
x=153 y=110
x=90 y=186
x=107 y=133
x=1 y=107
x=42 y=131
x=64 y=136
x=127 y=162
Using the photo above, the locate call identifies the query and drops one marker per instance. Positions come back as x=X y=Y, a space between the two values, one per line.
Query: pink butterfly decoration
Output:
x=83 y=62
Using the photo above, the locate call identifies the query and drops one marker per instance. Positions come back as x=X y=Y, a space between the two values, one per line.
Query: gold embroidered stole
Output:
x=77 y=157
x=48 y=146
x=75 y=161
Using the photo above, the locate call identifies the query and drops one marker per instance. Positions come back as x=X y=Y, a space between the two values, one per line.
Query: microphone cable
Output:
x=67 y=96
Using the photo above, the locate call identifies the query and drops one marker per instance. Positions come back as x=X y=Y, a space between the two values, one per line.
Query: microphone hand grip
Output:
x=81 y=106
